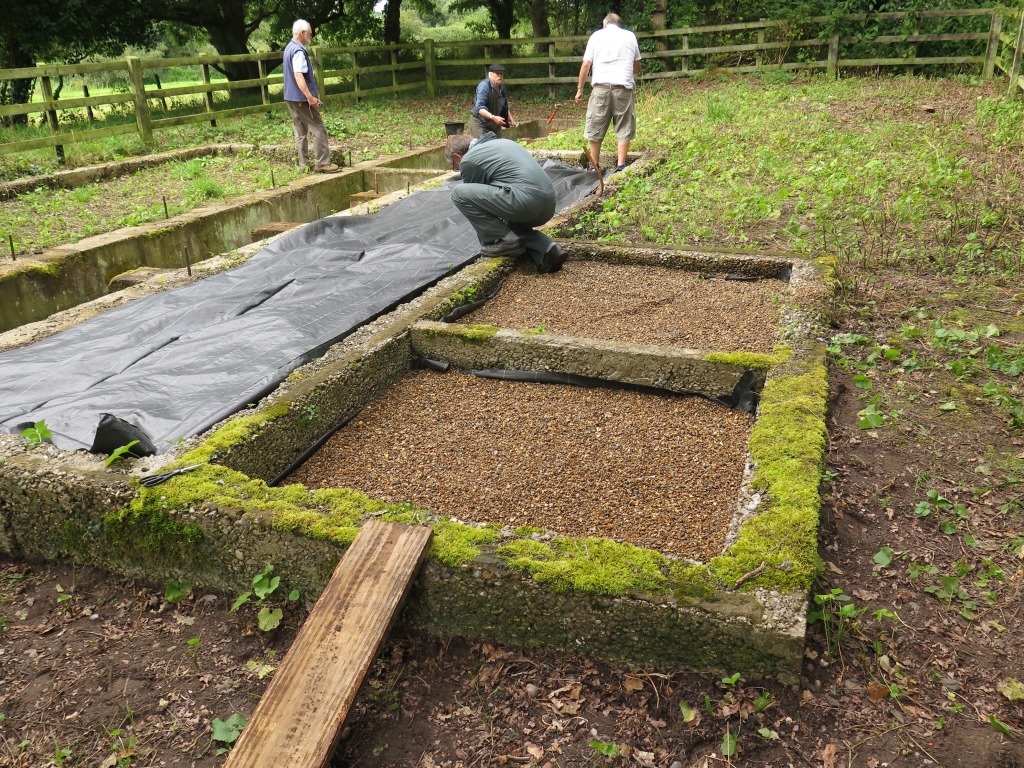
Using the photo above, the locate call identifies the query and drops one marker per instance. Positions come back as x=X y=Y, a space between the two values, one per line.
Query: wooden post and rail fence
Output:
x=356 y=72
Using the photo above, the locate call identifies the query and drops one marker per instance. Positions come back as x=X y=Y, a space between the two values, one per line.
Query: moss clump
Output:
x=454 y=543
x=477 y=334
x=787 y=444
x=528 y=530
x=234 y=432
x=691 y=581
x=594 y=566
x=753 y=360
x=49 y=269
x=146 y=526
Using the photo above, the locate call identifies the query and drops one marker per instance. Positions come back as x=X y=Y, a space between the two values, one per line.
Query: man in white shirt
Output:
x=612 y=58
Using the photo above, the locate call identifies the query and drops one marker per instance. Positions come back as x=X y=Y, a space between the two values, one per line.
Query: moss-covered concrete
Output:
x=219 y=525
x=676 y=370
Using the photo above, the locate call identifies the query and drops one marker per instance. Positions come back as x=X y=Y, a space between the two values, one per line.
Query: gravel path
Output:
x=656 y=471
x=639 y=304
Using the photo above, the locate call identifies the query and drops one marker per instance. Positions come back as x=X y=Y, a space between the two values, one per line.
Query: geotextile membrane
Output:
x=173 y=364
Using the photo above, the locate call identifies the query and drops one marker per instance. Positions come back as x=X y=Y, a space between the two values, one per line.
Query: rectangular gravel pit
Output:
x=639 y=304
x=657 y=471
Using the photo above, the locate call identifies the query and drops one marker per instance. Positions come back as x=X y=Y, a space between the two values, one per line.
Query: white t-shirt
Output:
x=611 y=52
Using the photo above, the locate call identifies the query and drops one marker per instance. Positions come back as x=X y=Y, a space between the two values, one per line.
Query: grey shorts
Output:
x=610 y=103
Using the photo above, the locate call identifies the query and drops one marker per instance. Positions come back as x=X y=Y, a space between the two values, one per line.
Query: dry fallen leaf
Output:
x=829 y=755
x=877 y=691
x=535 y=752
x=632 y=684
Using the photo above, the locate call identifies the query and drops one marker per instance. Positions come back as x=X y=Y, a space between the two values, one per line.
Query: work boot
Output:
x=329 y=168
x=503 y=248
x=552 y=260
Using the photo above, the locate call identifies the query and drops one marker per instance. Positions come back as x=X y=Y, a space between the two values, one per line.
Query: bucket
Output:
x=453 y=128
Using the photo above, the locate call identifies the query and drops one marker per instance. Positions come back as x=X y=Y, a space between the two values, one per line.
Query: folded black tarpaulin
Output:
x=175 y=363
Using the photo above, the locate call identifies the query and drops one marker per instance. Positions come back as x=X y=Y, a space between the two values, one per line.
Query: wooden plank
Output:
x=70 y=137
x=299 y=718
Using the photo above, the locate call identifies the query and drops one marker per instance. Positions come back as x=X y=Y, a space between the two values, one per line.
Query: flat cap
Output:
x=496 y=68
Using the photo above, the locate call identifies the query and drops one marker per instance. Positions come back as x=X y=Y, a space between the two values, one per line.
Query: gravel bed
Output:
x=655 y=471
x=639 y=304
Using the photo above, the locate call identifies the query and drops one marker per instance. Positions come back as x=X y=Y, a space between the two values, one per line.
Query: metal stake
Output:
x=376 y=189
x=318 y=211
x=350 y=158
x=10 y=239
x=188 y=263
x=166 y=214
x=407 y=187
x=272 y=182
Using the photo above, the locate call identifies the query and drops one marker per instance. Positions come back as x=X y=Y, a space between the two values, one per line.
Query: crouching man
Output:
x=505 y=194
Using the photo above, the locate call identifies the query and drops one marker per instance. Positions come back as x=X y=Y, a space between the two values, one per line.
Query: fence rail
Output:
x=356 y=72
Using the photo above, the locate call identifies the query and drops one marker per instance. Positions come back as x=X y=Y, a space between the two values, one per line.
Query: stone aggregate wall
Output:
x=218 y=526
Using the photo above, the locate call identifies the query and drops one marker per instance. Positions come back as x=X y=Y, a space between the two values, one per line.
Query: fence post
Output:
x=993 y=45
x=430 y=68
x=1015 y=67
x=88 y=107
x=209 y=94
x=264 y=87
x=552 y=73
x=51 y=114
x=684 y=45
x=142 y=116
x=759 y=56
x=913 y=47
x=355 y=77
x=318 y=71
x=160 y=87
x=832 y=68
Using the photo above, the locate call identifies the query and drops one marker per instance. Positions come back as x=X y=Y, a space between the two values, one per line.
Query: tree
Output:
x=65 y=32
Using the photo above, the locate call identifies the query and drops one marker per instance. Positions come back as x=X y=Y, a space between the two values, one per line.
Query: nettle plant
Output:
x=263 y=587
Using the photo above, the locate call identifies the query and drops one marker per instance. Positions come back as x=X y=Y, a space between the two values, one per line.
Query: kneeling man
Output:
x=505 y=194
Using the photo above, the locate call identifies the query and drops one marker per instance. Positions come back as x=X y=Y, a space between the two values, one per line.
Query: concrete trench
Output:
x=741 y=610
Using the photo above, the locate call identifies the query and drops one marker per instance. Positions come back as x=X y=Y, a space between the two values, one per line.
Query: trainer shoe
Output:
x=503 y=248
x=331 y=168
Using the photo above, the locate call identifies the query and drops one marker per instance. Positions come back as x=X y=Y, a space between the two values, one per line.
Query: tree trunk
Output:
x=231 y=37
x=503 y=17
x=393 y=21
x=12 y=56
x=539 y=21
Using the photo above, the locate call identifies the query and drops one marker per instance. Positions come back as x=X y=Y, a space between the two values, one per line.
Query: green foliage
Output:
x=227 y=731
x=119 y=453
x=263 y=587
x=838 y=615
x=37 y=434
x=176 y=591
x=606 y=748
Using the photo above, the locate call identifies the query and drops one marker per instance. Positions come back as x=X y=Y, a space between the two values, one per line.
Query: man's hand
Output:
x=499 y=120
x=579 y=95
x=313 y=101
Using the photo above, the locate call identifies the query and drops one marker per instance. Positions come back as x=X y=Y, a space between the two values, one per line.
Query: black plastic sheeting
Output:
x=744 y=396
x=173 y=364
